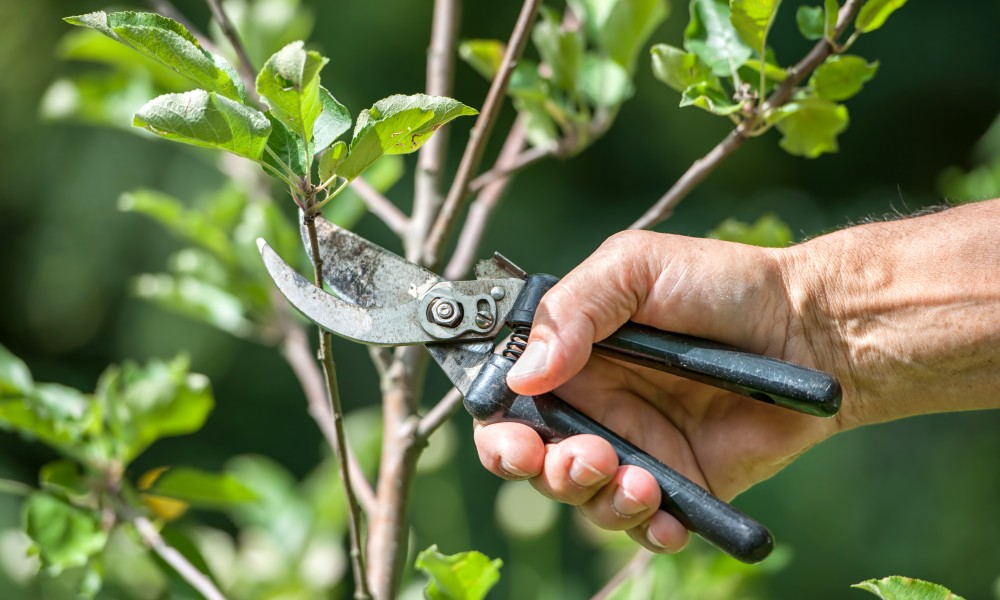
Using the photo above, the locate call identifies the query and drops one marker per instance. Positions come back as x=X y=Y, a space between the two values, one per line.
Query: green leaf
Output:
x=169 y=43
x=289 y=81
x=144 y=404
x=831 y=8
x=709 y=98
x=621 y=27
x=62 y=477
x=874 y=13
x=768 y=231
x=841 y=77
x=561 y=50
x=604 y=82
x=484 y=56
x=330 y=161
x=287 y=146
x=63 y=536
x=710 y=34
x=196 y=299
x=680 y=70
x=463 y=576
x=810 y=126
x=333 y=122
x=772 y=72
x=201 y=488
x=397 y=125
x=752 y=20
x=56 y=415
x=905 y=588
x=208 y=120
x=193 y=225
x=811 y=21
x=15 y=378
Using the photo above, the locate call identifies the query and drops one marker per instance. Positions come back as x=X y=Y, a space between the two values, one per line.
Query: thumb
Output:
x=587 y=305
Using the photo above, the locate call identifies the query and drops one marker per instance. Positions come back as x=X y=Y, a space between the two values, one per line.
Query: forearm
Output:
x=905 y=313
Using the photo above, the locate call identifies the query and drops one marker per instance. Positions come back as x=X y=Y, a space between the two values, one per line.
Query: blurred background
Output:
x=915 y=498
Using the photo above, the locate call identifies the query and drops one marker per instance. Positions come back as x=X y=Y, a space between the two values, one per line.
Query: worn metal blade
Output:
x=392 y=325
x=461 y=362
x=364 y=273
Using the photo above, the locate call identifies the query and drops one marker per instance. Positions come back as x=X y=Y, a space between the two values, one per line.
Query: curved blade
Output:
x=364 y=273
x=392 y=325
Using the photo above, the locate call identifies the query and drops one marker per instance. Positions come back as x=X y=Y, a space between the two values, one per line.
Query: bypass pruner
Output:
x=378 y=298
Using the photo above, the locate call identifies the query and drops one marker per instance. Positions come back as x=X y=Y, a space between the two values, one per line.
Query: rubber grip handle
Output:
x=719 y=523
x=759 y=377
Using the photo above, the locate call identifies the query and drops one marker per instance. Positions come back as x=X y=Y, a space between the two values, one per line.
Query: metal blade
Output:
x=364 y=273
x=461 y=362
x=384 y=326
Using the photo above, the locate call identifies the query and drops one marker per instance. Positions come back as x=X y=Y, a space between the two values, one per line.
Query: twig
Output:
x=381 y=207
x=333 y=392
x=430 y=161
x=480 y=134
x=634 y=566
x=518 y=163
x=708 y=163
x=245 y=65
x=482 y=207
x=15 y=488
x=439 y=414
x=198 y=580
x=299 y=356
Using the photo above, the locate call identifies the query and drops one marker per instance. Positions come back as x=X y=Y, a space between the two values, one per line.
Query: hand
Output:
x=864 y=304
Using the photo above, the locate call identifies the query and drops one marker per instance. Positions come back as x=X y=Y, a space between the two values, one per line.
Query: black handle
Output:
x=760 y=377
x=490 y=400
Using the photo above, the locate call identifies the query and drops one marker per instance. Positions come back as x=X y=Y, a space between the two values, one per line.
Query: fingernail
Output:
x=511 y=470
x=625 y=504
x=584 y=475
x=533 y=361
x=652 y=539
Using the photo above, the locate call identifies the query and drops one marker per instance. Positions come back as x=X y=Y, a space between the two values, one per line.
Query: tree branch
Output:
x=510 y=167
x=481 y=209
x=480 y=134
x=634 y=566
x=198 y=580
x=439 y=414
x=381 y=207
x=329 y=370
x=700 y=169
x=245 y=65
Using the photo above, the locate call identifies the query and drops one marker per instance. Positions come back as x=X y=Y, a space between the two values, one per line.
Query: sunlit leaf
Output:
x=710 y=34
x=841 y=77
x=334 y=121
x=190 y=224
x=201 y=488
x=196 y=299
x=397 y=125
x=64 y=536
x=15 y=378
x=680 y=70
x=811 y=20
x=561 y=50
x=289 y=82
x=208 y=120
x=768 y=231
x=484 y=56
x=56 y=415
x=874 y=13
x=752 y=20
x=712 y=99
x=62 y=477
x=906 y=588
x=604 y=82
x=286 y=150
x=463 y=576
x=772 y=72
x=621 y=27
x=169 y=43
x=810 y=126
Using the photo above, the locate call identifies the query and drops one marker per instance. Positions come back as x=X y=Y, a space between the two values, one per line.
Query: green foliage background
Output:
x=915 y=497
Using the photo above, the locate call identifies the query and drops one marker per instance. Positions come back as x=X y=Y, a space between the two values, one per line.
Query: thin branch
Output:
x=381 y=207
x=634 y=566
x=480 y=134
x=431 y=160
x=708 y=163
x=300 y=357
x=482 y=207
x=439 y=414
x=518 y=163
x=245 y=66
x=198 y=580
x=333 y=392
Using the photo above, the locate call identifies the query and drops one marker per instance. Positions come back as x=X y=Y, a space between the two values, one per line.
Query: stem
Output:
x=708 y=163
x=245 y=66
x=482 y=207
x=380 y=206
x=15 y=488
x=198 y=580
x=510 y=167
x=439 y=414
x=431 y=159
x=333 y=393
x=634 y=566
x=480 y=134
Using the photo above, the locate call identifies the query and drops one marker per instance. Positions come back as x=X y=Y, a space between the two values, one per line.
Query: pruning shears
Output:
x=379 y=298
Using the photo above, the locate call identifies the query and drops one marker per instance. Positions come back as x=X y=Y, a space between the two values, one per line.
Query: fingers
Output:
x=662 y=533
x=576 y=469
x=510 y=450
